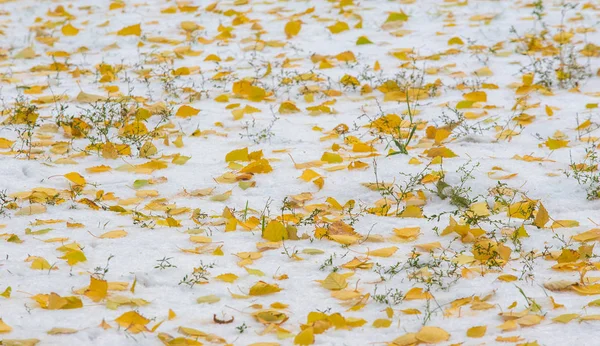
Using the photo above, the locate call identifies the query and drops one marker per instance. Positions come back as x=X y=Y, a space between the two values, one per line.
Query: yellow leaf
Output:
x=237 y=155
x=565 y=318
x=591 y=235
x=305 y=337
x=416 y=293
x=186 y=111
x=75 y=178
x=338 y=27
x=262 y=288
x=455 y=40
x=409 y=339
x=412 y=211
x=133 y=322
x=135 y=30
x=74 y=256
x=334 y=282
x=5 y=143
x=114 y=234
x=480 y=209
x=382 y=323
x=542 y=217
x=476 y=332
x=554 y=144
x=210 y=299
x=331 y=158
x=4 y=328
x=529 y=320
x=69 y=30
x=255 y=272
x=40 y=264
x=476 y=96
x=6 y=293
x=292 y=28
x=363 y=40
x=97 y=290
x=59 y=331
x=384 y=252
x=507 y=278
x=229 y=277
x=588 y=290
x=432 y=335
x=440 y=151
x=275 y=231
x=564 y=224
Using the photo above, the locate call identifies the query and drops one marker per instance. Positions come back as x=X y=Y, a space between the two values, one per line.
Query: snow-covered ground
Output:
x=429 y=164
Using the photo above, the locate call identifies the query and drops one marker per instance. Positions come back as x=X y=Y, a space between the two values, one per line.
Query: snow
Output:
x=136 y=255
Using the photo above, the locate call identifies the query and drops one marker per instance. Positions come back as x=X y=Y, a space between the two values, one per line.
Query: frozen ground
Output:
x=432 y=161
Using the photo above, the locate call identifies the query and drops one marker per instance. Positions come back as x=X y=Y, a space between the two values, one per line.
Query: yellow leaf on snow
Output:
x=228 y=277
x=529 y=320
x=591 y=235
x=565 y=318
x=132 y=30
x=97 y=290
x=564 y=224
x=476 y=332
x=58 y=331
x=384 y=252
x=237 y=155
x=69 y=30
x=31 y=210
x=292 y=28
x=554 y=144
x=305 y=337
x=262 y=288
x=588 y=290
x=432 y=335
x=186 y=111
x=114 y=234
x=338 y=27
x=133 y=322
x=4 y=328
x=334 y=282
x=382 y=323
x=41 y=264
x=210 y=299
x=417 y=293
x=275 y=231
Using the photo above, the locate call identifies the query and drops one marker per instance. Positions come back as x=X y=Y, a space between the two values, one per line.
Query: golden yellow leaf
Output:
x=97 y=290
x=75 y=178
x=476 y=332
x=262 y=288
x=58 y=331
x=275 y=231
x=432 y=335
x=186 y=111
x=338 y=27
x=292 y=28
x=565 y=318
x=334 y=282
x=133 y=322
x=382 y=323
x=114 y=234
x=210 y=299
x=384 y=252
x=69 y=30
x=135 y=30
x=229 y=277
x=305 y=337
x=4 y=328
